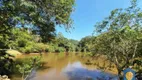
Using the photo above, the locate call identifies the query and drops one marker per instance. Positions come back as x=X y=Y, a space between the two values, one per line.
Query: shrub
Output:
x=40 y=47
x=26 y=67
x=61 y=49
x=29 y=47
x=6 y=63
x=32 y=47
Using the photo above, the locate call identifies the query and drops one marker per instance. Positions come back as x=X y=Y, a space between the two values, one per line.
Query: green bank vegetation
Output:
x=28 y=26
x=118 y=37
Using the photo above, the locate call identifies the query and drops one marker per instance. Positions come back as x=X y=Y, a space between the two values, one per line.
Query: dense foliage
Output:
x=85 y=44
x=120 y=38
x=40 y=16
x=26 y=68
x=29 y=27
x=6 y=63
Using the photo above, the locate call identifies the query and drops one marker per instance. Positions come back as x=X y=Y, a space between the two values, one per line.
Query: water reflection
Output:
x=58 y=67
x=75 y=71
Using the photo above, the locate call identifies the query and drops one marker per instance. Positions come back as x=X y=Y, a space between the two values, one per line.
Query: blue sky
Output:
x=88 y=12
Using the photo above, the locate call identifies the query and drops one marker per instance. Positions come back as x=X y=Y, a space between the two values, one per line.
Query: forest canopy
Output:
x=41 y=16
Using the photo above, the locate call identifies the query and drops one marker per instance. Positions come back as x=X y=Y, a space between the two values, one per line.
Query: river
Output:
x=67 y=67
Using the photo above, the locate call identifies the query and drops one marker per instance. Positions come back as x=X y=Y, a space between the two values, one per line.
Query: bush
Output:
x=55 y=48
x=6 y=63
x=32 y=47
x=61 y=49
x=52 y=47
x=40 y=47
x=21 y=43
x=28 y=48
x=27 y=66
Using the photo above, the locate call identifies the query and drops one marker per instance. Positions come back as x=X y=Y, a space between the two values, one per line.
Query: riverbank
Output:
x=13 y=52
x=4 y=77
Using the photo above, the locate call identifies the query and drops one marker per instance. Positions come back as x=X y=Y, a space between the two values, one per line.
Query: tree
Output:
x=86 y=43
x=120 y=36
x=41 y=16
x=68 y=44
x=120 y=18
x=73 y=45
x=26 y=68
x=121 y=48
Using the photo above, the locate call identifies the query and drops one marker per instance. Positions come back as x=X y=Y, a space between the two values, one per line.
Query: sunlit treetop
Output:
x=44 y=15
x=120 y=18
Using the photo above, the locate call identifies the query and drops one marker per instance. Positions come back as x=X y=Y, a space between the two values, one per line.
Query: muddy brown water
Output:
x=66 y=67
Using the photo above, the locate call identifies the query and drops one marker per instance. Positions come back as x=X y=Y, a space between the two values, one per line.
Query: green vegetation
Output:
x=6 y=62
x=25 y=68
x=29 y=26
x=119 y=38
x=41 y=16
